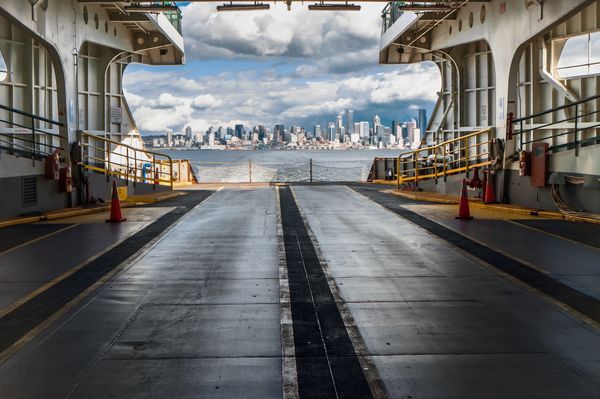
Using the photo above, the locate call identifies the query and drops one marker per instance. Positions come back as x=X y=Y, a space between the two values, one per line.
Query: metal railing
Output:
x=390 y=14
x=567 y=127
x=174 y=17
x=447 y=158
x=28 y=140
x=112 y=158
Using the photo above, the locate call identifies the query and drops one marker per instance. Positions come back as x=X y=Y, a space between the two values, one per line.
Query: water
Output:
x=213 y=166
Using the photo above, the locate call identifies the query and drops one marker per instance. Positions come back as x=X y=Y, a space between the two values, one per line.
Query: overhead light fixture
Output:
x=243 y=7
x=333 y=7
x=150 y=9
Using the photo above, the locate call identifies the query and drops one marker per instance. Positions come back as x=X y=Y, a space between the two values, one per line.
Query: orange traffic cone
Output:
x=115 y=206
x=463 y=206
x=489 y=196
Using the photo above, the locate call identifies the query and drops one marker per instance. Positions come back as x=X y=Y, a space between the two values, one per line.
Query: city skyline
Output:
x=343 y=132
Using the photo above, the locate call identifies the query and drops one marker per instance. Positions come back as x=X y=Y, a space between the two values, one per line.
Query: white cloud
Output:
x=204 y=101
x=332 y=40
x=253 y=98
x=320 y=63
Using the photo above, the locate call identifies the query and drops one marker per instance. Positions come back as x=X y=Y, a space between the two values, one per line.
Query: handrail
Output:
x=29 y=115
x=559 y=108
x=567 y=130
x=452 y=156
x=135 y=161
x=35 y=148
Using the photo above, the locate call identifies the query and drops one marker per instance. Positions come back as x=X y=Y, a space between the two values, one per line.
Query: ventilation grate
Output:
x=29 y=191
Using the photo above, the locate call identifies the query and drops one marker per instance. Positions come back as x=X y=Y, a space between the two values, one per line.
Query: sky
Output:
x=295 y=67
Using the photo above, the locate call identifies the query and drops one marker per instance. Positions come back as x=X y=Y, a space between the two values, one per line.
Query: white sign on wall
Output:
x=116 y=115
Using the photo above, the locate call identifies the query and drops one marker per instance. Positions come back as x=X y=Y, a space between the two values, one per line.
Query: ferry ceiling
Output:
x=430 y=10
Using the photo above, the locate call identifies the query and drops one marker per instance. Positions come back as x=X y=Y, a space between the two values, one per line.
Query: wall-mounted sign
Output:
x=116 y=115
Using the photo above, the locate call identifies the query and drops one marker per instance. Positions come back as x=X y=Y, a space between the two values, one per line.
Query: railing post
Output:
x=33 y=140
x=398 y=173
x=521 y=134
x=127 y=165
x=416 y=160
x=444 y=160
x=107 y=157
x=171 y=173
x=311 y=170
x=250 y=171
x=576 y=131
x=435 y=171
x=467 y=149
x=134 y=168
x=155 y=170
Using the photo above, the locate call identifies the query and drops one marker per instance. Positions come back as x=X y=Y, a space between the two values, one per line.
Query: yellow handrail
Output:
x=457 y=155
x=135 y=158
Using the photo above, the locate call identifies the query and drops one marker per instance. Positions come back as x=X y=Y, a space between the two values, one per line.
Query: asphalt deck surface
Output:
x=441 y=308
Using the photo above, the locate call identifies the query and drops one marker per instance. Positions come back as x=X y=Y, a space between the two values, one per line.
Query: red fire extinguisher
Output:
x=65 y=182
x=52 y=166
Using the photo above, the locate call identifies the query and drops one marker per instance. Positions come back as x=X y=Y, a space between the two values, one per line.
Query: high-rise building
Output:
x=331 y=131
x=262 y=132
x=169 y=139
x=317 y=131
x=364 y=129
x=339 y=125
x=376 y=122
x=188 y=133
x=239 y=131
x=422 y=122
x=349 y=122
x=279 y=133
x=410 y=127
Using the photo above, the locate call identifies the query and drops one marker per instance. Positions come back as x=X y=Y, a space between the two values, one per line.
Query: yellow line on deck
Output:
x=56 y=280
x=553 y=235
x=38 y=239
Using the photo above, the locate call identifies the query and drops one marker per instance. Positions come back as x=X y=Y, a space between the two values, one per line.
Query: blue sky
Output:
x=276 y=66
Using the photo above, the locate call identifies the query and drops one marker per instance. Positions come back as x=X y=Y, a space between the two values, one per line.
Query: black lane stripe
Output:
x=23 y=319
x=324 y=351
x=581 y=302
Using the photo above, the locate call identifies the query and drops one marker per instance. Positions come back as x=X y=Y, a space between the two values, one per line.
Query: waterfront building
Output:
x=239 y=131
x=349 y=122
x=422 y=122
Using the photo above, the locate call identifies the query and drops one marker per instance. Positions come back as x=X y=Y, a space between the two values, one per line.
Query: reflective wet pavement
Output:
x=197 y=312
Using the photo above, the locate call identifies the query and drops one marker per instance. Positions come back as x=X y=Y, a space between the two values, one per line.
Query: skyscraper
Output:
x=239 y=131
x=339 y=126
x=317 y=131
x=331 y=130
x=349 y=122
x=364 y=129
x=188 y=133
x=422 y=122
x=278 y=133
x=376 y=122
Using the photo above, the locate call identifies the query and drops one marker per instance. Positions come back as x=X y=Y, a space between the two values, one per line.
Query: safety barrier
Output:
x=451 y=157
x=567 y=127
x=112 y=158
x=390 y=14
x=309 y=170
x=32 y=136
x=448 y=158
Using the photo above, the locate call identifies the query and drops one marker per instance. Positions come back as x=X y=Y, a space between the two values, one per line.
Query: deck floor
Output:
x=200 y=308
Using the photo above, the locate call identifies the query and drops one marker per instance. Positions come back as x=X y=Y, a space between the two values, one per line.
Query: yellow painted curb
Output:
x=54 y=215
x=152 y=199
x=494 y=207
